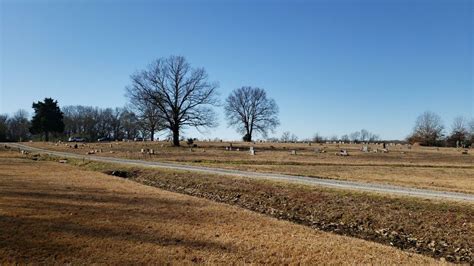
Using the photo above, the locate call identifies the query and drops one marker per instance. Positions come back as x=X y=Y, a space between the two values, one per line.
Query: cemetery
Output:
x=449 y=169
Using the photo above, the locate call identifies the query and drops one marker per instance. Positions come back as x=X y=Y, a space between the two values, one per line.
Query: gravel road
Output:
x=379 y=188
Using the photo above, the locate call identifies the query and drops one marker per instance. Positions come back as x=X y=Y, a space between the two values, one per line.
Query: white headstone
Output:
x=252 y=151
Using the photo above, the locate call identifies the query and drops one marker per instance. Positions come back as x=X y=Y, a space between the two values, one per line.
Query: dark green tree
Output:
x=48 y=118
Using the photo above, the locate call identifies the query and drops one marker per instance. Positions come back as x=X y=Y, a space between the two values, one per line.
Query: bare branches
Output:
x=179 y=95
x=428 y=129
x=250 y=111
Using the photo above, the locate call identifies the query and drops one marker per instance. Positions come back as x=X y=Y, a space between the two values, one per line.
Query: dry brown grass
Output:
x=52 y=213
x=421 y=167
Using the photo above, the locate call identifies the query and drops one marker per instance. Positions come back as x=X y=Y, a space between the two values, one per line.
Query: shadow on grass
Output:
x=36 y=225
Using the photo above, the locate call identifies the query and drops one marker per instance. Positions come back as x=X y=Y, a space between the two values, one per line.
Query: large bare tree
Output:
x=181 y=95
x=250 y=111
x=428 y=129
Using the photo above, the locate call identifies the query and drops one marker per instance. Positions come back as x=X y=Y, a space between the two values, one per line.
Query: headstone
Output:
x=252 y=151
x=142 y=151
x=151 y=151
x=365 y=148
x=75 y=146
x=293 y=152
x=342 y=153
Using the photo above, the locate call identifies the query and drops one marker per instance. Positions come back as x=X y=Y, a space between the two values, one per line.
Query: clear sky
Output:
x=333 y=67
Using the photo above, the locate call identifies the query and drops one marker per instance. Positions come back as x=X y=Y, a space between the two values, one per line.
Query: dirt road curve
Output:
x=379 y=188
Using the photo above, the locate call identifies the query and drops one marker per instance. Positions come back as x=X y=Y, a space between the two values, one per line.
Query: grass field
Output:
x=422 y=167
x=56 y=213
x=436 y=228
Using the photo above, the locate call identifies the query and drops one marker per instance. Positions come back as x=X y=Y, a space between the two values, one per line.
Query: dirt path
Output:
x=51 y=213
x=379 y=188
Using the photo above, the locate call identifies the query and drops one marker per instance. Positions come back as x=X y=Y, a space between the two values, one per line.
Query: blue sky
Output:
x=333 y=67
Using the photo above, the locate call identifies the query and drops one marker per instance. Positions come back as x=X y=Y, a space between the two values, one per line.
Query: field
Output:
x=57 y=213
x=437 y=228
x=422 y=167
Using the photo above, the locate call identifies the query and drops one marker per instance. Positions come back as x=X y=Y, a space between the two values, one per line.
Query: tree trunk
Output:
x=152 y=134
x=176 y=136
x=46 y=136
x=249 y=137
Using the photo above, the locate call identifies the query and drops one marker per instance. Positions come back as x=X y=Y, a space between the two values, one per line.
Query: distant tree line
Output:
x=90 y=123
x=93 y=123
x=355 y=137
x=429 y=130
x=16 y=127
x=117 y=123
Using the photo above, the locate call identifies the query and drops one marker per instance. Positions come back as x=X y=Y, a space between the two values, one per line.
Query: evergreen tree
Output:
x=48 y=118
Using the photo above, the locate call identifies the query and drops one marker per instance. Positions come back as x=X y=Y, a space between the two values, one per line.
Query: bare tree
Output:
x=345 y=138
x=286 y=136
x=116 y=123
x=428 y=129
x=19 y=126
x=317 y=138
x=182 y=95
x=85 y=121
x=129 y=124
x=355 y=136
x=364 y=135
x=471 y=132
x=293 y=138
x=3 y=127
x=148 y=115
x=471 y=126
x=250 y=111
x=460 y=125
x=459 y=131
x=373 y=137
